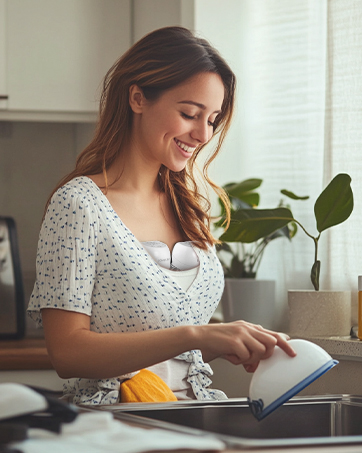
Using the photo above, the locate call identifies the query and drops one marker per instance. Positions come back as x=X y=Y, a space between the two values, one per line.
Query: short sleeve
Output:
x=66 y=256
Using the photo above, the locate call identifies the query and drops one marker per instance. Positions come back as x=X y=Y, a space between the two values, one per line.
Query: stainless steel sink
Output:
x=331 y=419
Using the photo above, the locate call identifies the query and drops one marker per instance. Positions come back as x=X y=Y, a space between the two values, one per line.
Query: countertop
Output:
x=31 y=354
x=340 y=348
x=26 y=354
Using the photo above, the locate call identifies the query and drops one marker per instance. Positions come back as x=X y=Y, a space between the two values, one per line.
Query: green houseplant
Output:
x=248 y=247
x=333 y=206
x=246 y=297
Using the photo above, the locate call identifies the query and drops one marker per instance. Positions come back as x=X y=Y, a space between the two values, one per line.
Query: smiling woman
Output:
x=171 y=120
x=127 y=273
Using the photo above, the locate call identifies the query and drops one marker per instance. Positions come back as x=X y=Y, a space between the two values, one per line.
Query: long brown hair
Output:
x=161 y=60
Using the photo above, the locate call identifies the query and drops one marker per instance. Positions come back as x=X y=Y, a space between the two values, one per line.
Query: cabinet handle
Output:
x=3 y=97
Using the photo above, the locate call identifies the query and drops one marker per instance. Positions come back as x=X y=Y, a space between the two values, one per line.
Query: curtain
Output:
x=343 y=144
x=300 y=118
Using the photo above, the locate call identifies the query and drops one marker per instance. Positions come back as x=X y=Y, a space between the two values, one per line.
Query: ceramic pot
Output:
x=250 y=300
x=319 y=313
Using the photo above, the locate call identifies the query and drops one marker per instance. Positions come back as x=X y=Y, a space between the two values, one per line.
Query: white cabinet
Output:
x=57 y=53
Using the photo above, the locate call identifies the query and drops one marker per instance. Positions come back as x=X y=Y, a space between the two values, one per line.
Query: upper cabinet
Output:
x=56 y=55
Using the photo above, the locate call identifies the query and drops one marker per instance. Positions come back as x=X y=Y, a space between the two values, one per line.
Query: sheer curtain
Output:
x=300 y=119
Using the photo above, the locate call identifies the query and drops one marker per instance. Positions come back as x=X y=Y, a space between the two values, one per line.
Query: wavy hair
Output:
x=160 y=61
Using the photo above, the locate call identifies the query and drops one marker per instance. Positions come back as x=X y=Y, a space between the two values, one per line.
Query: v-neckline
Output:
x=144 y=251
x=164 y=243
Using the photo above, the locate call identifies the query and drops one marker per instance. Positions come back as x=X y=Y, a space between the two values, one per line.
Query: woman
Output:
x=107 y=307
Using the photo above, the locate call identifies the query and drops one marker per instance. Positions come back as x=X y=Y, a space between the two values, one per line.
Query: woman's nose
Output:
x=202 y=132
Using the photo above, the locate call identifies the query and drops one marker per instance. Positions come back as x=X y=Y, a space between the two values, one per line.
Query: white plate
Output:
x=280 y=377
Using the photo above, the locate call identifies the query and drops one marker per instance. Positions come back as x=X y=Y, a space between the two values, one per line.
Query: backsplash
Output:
x=34 y=156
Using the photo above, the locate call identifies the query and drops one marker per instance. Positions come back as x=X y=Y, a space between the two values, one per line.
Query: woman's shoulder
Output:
x=77 y=194
x=80 y=185
x=73 y=211
x=79 y=188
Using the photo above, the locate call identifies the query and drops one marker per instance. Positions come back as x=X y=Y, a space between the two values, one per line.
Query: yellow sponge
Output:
x=146 y=387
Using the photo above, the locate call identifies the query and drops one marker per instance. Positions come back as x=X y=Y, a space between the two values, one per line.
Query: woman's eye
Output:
x=188 y=117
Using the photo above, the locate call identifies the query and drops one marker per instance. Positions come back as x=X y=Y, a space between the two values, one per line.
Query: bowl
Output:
x=280 y=377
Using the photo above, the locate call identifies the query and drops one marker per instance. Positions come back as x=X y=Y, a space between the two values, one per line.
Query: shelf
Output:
x=52 y=117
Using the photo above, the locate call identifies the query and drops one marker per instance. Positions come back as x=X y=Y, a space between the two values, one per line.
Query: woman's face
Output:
x=169 y=129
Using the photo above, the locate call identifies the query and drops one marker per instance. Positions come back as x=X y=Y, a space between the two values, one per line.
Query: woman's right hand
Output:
x=241 y=342
x=76 y=351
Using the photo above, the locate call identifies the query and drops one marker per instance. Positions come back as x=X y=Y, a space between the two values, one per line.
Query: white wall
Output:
x=150 y=15
x=221 y=23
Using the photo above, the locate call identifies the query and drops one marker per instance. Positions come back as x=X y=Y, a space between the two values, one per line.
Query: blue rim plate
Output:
x=257 y=406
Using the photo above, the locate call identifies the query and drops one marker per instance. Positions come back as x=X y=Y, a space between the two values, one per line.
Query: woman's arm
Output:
x=76 y=351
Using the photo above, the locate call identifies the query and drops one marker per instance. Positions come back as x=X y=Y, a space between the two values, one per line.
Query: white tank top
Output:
x=182 y=258
x=182 y=265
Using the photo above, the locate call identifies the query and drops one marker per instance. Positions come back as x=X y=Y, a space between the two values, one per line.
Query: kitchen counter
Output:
x=26 y=354
x=341 y=348
x=27 y=362
x=29 y=356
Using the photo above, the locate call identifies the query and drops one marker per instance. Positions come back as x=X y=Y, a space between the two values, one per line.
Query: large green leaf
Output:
x=235 y=188
x=282 y=232
x=335 y=204
x=246 y=200
x=249 y=225
x=244 y=190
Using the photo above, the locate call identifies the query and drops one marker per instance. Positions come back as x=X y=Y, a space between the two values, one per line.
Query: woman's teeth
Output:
x=186 y=148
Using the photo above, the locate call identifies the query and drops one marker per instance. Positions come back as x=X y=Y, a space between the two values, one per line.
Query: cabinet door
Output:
x=59 y=51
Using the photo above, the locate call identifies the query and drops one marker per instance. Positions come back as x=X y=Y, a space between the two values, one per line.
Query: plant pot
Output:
x=249 y=300
x=319 y=313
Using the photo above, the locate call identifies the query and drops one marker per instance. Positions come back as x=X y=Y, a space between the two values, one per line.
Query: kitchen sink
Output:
x=330 y=419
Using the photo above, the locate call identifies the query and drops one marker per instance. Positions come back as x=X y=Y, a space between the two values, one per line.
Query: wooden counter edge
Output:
x=26 y=354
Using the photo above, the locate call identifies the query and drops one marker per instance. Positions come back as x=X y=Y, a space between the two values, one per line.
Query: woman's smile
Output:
x=186 y=150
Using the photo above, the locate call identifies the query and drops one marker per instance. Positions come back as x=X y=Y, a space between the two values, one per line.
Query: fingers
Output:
x=285 y=345
x=283 y=342
x=241 y=342
x=250 y=368
x=261 y=343
x=246 y=343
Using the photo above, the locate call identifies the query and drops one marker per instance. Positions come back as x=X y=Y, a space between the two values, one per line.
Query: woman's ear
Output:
x=136 y=98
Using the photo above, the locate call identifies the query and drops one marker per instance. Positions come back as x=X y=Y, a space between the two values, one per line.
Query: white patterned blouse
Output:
x=89 y=262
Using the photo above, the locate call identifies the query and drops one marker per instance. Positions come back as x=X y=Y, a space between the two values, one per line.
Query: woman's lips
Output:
x=186 y=150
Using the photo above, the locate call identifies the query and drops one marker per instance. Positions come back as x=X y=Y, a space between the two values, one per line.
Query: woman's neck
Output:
x=130 y=172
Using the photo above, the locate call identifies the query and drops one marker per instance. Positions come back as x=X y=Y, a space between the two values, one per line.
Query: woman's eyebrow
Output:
x=197 y=104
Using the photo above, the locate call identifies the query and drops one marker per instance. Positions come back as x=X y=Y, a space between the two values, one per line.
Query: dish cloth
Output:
x=98 y=433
